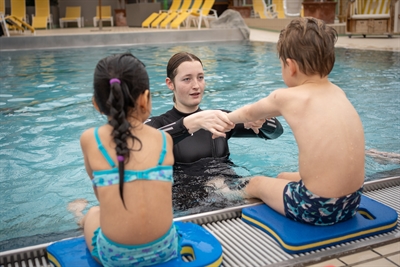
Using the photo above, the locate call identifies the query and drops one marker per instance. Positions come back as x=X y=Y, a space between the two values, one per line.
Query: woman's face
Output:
x=188 y=86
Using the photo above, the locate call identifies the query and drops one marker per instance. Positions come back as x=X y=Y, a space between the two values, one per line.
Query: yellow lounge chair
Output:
x=263 y=11
x=206 y=13
x=105 y=15
x=185 y=7
x=42 y=15
x=17 y=19
x=155 y=18
x=158 y=20
x=72 y=14
x=18 y=24
x=3 y=7
x=146 y=23
x=18 y=9
x=3 y=22
x=184 y=15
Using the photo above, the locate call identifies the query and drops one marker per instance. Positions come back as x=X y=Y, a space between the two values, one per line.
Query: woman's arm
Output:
x=214 y=121
x=269 y=129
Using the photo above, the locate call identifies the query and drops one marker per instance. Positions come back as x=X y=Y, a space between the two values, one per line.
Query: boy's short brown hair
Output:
x=311 y=43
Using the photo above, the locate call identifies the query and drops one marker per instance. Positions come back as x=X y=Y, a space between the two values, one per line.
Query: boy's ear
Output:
x=293 y=67
x=170 y=84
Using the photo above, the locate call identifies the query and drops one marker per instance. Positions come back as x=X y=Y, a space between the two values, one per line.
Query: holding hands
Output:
x=216 y=122
x=255 y=125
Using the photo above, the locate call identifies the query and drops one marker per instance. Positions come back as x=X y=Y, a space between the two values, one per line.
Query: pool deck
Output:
x=385 y=256
x=112 y=36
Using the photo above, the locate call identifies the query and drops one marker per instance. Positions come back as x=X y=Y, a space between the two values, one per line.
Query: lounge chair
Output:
x=105 y=15
x=184 y=15
x=3 y=7
x=206 y=13
x=171 y=16
x=292 y=8
x=18 y=9
x=3 y=23
x=17 y=24
x=72 y=14
x=261 y=10
x=155 y=19
x=42 y=15
x=17 y=20
x=371 y=17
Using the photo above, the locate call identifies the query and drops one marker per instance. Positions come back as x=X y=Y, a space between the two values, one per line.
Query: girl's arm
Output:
x=84 y=142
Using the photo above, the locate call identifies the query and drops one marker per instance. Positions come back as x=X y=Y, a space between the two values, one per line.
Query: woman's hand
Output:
x=214 y=121
x=255 y=125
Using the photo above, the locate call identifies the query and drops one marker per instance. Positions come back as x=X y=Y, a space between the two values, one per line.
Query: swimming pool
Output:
x=45 y=104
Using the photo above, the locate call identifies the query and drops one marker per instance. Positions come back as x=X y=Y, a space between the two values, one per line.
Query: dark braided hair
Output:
x=176 y=60
x=118 y=81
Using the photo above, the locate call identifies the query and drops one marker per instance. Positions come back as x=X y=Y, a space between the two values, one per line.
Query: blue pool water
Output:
x=45 y=104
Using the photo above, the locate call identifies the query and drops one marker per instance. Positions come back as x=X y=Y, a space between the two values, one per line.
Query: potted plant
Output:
x=320 y=9
x=120 y=13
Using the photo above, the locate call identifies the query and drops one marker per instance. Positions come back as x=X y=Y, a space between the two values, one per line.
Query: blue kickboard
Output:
x=295 y=237
x=195 y=241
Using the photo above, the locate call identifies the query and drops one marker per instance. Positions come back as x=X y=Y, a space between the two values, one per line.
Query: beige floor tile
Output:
x=331 y=262
x=377 y=263
x=361 y=256
x=395 y=258
x=384 y=250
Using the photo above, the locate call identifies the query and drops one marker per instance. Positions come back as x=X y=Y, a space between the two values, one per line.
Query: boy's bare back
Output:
x=326 y=126
x=329 y=135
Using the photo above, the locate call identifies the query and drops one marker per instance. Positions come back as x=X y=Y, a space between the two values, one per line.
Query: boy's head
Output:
x=309 y=42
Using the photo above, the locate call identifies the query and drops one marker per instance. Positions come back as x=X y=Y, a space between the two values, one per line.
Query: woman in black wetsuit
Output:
x=200 y=137
x=191 y=128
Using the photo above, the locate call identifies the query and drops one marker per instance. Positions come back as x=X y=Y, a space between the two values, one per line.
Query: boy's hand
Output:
x=255 y=125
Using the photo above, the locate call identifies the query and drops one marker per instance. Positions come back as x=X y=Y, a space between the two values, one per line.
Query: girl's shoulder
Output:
x=87 y=133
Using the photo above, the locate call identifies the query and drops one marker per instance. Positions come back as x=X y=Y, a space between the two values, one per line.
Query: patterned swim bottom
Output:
x=304 y=206
x=110 y=253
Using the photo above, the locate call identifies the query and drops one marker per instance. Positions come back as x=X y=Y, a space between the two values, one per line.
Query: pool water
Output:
x=45 y=105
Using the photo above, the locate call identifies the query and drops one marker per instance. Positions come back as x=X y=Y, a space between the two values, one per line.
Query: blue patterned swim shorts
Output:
x=304 y=206
x=110 y=253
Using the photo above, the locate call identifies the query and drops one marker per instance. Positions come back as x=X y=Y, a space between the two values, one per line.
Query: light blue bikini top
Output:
x=111 y=177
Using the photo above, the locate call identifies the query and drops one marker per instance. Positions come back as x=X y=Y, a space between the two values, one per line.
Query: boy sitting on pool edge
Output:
x=327 y=128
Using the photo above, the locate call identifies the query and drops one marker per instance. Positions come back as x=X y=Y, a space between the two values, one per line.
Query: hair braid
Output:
x=117 y=100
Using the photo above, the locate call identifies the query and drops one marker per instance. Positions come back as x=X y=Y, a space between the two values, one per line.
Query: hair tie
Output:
x=114 y=80
x=120 y=158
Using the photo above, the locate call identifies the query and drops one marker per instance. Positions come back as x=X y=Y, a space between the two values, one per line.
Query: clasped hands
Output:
x=217 y=122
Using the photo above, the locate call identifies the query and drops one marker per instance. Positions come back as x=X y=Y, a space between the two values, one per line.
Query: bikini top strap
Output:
x=164 y=148
x=102 y=149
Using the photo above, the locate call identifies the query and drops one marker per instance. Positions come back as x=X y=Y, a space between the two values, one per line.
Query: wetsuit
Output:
x=199 y=158
x=189 y=149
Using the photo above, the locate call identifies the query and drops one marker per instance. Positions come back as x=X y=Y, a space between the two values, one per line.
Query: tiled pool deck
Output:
x=384 y=256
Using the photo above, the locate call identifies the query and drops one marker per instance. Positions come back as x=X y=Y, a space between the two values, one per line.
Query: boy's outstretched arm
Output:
x=265 y=108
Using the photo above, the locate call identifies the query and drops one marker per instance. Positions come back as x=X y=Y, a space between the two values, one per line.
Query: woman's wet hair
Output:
x=118 y=82
x=176 y=60
x=311 y=43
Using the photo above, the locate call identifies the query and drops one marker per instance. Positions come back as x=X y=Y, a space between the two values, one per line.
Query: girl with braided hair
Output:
x=130 y=165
